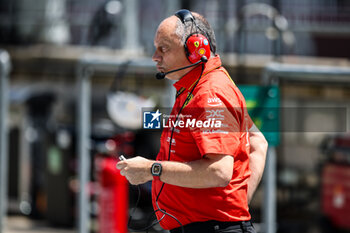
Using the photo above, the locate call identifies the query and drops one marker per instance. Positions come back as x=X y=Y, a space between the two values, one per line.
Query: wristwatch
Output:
x=156 y=170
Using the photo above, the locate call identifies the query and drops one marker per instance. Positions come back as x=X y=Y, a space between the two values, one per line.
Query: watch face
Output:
x=156 y=169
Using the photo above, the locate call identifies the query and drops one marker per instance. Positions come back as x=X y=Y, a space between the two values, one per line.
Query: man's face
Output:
x=170 y=53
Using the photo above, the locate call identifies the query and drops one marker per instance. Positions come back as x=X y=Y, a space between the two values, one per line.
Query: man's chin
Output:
x=172 y=77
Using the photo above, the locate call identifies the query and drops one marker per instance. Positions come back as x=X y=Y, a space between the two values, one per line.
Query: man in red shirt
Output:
x=203 y=178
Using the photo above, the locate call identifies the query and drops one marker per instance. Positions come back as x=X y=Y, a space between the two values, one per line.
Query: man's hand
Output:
x=136 y=170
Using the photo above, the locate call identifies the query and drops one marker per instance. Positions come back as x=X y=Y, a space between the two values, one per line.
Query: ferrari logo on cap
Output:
x=196 y=43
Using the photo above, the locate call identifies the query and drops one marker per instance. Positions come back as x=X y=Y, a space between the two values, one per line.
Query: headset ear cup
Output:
x=197 y=46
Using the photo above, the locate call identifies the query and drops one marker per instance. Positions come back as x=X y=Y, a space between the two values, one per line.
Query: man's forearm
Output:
x=204 y=173
x=256 y=173
x=213 y=170
x=257 y=157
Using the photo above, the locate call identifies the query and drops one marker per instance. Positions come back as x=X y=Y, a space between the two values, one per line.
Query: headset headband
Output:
x=184 y=15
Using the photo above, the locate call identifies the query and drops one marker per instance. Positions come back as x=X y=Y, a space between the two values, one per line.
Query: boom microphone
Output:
x=162 y=75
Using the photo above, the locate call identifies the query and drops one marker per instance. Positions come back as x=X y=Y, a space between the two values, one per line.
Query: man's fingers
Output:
x=122 y=172
x=121 y=165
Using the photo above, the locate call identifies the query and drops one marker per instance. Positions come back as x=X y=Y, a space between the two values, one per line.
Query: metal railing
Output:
x=5 y=67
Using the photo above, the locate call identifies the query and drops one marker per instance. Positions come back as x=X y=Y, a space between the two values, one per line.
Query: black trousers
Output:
x=217 y=227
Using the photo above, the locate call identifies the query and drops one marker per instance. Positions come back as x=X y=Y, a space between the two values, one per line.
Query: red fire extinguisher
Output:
x=113 y=197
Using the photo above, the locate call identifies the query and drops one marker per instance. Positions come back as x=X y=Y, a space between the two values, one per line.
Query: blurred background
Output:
x=52 y=44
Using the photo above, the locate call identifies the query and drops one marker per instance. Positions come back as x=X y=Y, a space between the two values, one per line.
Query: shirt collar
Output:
x=189 y=79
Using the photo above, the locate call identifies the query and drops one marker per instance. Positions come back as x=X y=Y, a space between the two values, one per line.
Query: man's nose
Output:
x=156 y=57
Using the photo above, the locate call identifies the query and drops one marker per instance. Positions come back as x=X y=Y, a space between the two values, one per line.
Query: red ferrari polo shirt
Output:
x=215 y=97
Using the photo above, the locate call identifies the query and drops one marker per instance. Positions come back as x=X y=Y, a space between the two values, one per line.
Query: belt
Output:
x=211 y=226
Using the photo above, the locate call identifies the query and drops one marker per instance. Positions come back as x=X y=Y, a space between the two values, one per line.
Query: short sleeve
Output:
x=219 y=127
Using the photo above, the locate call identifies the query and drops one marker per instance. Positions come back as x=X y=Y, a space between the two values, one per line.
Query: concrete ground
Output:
x=20 y=224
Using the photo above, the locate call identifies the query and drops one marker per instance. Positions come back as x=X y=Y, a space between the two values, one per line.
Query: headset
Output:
x=197 y=46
